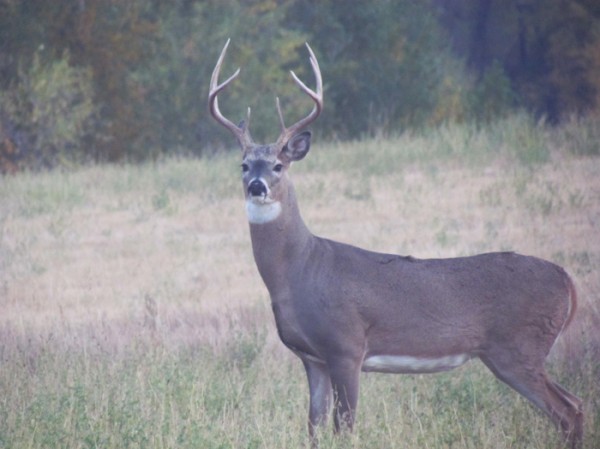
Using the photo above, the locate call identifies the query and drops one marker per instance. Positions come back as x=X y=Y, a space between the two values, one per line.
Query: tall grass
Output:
x=132 y=314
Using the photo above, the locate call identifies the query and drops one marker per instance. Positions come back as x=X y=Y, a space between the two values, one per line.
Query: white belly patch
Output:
x=409 y=364
x=261 y=213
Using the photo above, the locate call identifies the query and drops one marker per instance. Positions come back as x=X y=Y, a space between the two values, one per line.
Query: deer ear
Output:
x=297 y=147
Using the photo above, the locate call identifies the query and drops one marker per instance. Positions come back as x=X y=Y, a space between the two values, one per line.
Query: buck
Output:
x=343 y=310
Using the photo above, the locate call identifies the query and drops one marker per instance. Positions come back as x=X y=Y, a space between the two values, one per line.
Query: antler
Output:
x=317 y=97
x=240 y=132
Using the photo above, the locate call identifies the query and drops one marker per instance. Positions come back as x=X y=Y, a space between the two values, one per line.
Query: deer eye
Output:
x=278 y=168
x=245 y=168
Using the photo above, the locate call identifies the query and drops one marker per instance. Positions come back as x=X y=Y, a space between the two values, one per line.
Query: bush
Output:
x=46 y=116
x=492 y=97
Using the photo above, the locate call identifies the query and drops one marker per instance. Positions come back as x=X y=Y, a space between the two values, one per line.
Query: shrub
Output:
x=47 y=115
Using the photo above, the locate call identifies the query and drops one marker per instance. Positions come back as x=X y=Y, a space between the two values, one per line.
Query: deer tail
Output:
x=572 y=301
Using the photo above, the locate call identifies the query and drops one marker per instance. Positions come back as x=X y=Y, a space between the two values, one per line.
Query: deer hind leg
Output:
x=563 y=408
x=574 y=431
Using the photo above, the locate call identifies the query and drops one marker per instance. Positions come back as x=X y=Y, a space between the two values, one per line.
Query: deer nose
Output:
x=257 y=188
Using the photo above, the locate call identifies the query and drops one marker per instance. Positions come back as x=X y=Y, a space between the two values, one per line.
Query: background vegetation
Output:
x=114 y=80
x=132 y=315
x=131 y=312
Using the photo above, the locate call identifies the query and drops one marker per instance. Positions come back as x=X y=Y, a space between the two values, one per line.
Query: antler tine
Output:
x=317 y=97
x=213 y=102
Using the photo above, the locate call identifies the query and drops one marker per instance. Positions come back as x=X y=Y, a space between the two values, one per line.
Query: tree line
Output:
x=115 y=80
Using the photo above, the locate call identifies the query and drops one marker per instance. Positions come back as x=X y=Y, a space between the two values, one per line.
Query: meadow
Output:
x=132 y=314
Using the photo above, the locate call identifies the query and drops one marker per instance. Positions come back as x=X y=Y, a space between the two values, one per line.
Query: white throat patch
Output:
x=261 y=213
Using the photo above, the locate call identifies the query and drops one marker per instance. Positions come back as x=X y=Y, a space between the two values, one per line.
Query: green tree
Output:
x=543 y=46
x=111 y=37
x=51 y=110
x=192 y=35
x=386 y=65
x=383 y=61
x=115 y=38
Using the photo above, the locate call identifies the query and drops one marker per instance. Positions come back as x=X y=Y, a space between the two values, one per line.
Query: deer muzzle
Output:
x=257 y=188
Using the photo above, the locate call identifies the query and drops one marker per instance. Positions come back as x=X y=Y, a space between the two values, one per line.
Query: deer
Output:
x=344 y=310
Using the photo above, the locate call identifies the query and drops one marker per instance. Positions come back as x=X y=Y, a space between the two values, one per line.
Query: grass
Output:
x=132 y=314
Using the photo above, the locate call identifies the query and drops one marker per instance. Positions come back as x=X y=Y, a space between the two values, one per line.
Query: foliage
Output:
x=388 y=66
x=548 y=49
x=382 y=61
x=51 y=110
x=492 y=97
x=191 y=38
x=115 y=39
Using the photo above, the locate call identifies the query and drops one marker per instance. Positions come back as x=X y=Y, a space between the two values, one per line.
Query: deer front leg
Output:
x=321 y=396
x=345 y=374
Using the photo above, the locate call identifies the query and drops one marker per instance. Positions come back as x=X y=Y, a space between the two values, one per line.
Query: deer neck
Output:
x=279 y=243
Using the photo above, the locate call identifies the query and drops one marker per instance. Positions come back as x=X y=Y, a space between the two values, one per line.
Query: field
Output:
x=132 y=315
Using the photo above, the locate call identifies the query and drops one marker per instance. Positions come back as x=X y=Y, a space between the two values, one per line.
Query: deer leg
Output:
x=345 y=374
x=531 y=381
x=319 y=384
x=574 y=400
x=574 y=430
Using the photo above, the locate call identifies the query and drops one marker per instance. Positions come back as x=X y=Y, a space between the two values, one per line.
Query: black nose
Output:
x=257 y=188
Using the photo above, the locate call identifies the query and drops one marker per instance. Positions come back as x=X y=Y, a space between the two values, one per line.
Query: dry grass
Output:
x=132 y=314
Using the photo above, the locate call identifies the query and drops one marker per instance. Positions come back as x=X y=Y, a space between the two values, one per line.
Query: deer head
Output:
x=264 y=165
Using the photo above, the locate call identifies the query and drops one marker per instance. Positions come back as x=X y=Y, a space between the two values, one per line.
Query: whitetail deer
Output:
x=343 y=310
